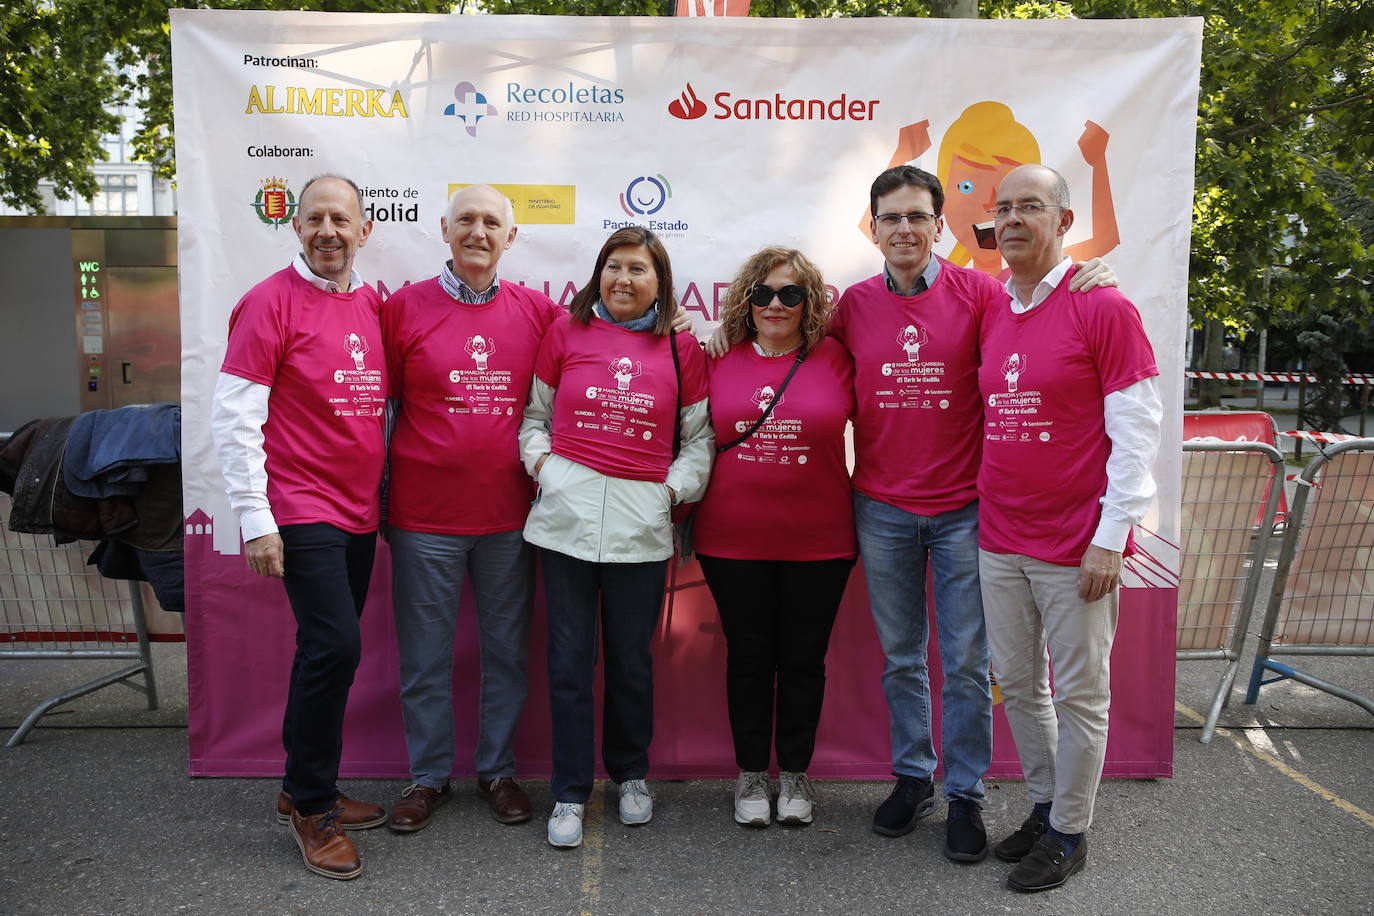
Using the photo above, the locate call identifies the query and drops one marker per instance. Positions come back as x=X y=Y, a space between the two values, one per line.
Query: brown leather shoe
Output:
x=356 y=815
x=509 y=803
x=415 y=807
x=327 y=850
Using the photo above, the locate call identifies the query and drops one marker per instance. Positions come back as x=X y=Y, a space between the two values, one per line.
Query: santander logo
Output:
x=687 y=106
x=777 y=107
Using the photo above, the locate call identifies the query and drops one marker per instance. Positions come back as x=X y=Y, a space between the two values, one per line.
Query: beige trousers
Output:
x=1035 y=617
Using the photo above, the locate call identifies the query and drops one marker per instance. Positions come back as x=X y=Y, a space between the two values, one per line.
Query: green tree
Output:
x=65 y=61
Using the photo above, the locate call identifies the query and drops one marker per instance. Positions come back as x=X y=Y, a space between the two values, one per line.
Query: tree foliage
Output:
x=65 y=61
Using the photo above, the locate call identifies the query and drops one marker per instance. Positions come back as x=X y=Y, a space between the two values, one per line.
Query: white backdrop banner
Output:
x=722 y=135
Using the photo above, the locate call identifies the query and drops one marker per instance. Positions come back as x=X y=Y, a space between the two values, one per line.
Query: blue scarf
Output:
x=644 y=322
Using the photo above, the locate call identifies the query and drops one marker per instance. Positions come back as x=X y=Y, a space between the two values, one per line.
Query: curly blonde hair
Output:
x=816 y=307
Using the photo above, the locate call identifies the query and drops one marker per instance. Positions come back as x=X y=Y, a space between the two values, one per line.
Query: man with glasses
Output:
x=913 y=330
x=1071 y=429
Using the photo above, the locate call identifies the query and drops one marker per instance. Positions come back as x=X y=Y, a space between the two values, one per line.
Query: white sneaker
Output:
x=565 y=825
x=752 y=802
x=636 y=804
x=796 y=798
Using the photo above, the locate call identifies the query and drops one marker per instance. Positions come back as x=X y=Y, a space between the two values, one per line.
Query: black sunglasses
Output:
x=790 y=296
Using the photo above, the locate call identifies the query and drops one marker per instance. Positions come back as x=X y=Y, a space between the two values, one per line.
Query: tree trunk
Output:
x=1213 y=350
x=954 y=9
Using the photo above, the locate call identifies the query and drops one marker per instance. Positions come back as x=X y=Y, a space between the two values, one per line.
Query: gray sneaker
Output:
x=565 y=825
x=752 y=799
x=796 y=799
x=636 y=804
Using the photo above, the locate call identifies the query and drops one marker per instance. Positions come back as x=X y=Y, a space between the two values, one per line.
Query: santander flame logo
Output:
x=687 y=106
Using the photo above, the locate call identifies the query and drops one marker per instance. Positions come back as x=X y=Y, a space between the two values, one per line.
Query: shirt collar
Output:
x=924 y=282
x=329 y=286
x=455 y=287
x=1047 y=285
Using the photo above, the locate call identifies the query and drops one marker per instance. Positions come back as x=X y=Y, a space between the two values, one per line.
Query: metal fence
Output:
x=52 y=606
x=1229 y=498
x=1322 y=601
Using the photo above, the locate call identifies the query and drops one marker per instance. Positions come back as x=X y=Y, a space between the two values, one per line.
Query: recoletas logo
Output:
x=688 y=107
x=471 y=107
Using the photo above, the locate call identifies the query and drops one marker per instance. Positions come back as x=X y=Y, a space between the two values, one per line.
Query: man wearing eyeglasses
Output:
x=1072 y=421
x=913 y=330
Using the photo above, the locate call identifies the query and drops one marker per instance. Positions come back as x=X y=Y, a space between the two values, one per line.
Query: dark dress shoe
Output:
x=326 y=848
x=509 y=803
x=415 y=807
x=965 y=838
x=356 y=815
x=1015 y=847
x=1047 y=865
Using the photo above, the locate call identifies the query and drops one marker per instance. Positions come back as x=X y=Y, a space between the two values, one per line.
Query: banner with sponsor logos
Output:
x=722 y=135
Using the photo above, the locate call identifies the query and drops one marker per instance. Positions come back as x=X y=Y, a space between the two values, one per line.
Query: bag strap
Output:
x=763 y=417
x=677 y=412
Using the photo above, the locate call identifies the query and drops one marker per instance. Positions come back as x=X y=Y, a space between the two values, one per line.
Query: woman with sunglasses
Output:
x=775 y=532
x=611 y=386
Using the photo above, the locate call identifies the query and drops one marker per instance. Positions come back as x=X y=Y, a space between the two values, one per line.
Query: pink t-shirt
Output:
x=783 y=493
x=462 y=374
x=321 y=354
x=1044 y=377
x=617 y=395
x=916 y=425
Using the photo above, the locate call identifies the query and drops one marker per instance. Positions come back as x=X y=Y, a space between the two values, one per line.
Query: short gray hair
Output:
x=452 y=200
x=344 y=178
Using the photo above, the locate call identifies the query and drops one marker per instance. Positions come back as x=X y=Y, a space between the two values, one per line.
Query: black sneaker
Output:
x=911 y=800
x=965 y=838
x=1047 y=866
x=1015 y=847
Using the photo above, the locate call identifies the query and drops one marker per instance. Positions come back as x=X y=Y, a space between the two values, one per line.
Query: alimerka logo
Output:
x=688 y=107
x=275 y=204
x=337 y=103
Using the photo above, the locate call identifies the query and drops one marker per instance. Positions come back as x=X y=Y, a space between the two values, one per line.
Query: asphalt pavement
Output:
x=1276 y=816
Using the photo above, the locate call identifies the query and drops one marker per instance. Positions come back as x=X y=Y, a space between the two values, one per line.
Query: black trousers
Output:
x=622 y=601
x=777 y=618
x=327 y=574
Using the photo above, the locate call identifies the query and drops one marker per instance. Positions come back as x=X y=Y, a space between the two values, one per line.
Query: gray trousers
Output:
x=427 y=583
x=1034 y=616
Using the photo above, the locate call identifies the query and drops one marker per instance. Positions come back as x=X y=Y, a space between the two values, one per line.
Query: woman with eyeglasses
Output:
x=611 y=388
x=775 y=531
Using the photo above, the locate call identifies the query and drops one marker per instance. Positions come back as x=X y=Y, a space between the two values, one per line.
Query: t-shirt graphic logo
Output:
x=1012 y=367
x=625 y=369
x=479 y=348
x=765 y=396
x=356 y=346
x=911 y=338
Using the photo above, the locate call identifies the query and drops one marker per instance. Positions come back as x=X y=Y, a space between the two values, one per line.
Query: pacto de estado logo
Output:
x=688 y=107
x=471 y=106
x=275 y=204
x=645 y=195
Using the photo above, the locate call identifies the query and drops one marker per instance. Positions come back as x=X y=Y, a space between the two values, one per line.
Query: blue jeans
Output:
x=623 y=601
x=896 y=545
x=426 y=585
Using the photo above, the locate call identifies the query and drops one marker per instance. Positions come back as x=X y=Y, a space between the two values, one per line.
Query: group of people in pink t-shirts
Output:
x=1002 y=438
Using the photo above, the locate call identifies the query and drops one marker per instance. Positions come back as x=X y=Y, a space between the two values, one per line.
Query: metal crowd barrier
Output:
x=1230 y=496
x=1322 y=602
x=53 y=606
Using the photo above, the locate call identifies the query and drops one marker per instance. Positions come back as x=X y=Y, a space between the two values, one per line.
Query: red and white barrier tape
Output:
x=1359 y=378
